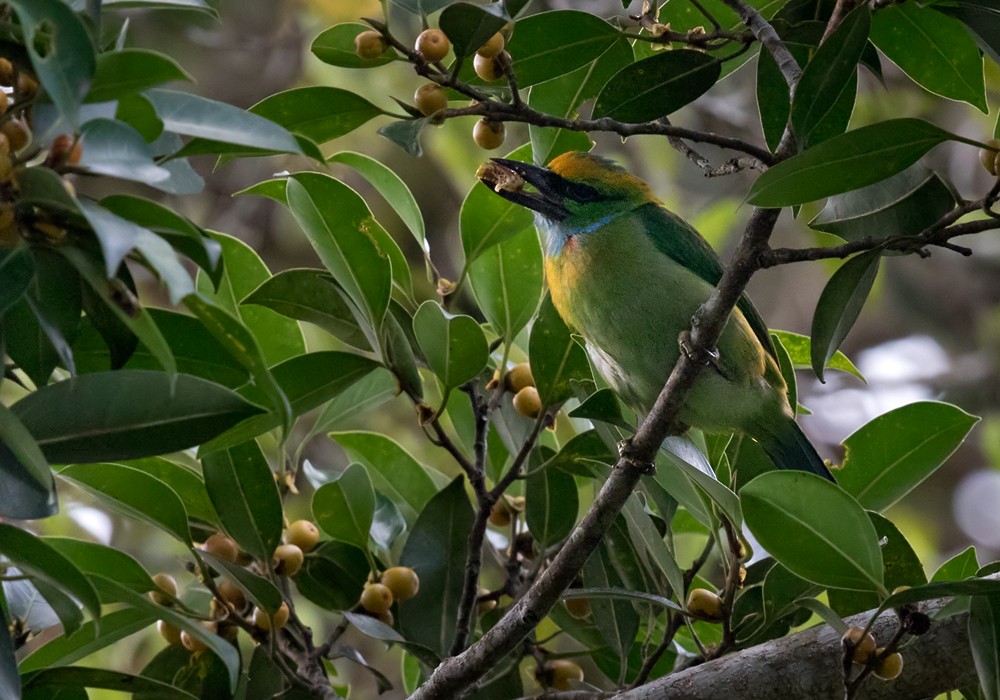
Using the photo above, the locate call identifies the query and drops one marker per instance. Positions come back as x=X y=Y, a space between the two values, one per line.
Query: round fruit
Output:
x=484 y=606
x=430 y=98
x=861 y=645
x=489 y=134
x=17 y=132
x=493 y=46
x=277 y=621
x=169 y=632
x=519 y=377
x=989 y=157
x=64 y=151
x=6 y=216
x=289 y=559
x=704 y=604
x=192 y=643
x=222 y=546
x=231 y=594
x=386 y=618
x=578 y=607
x=500 y=514
x=890 y=667
x=432 y=45
x=527 y=402
x=6 y=73
x=402 y=581
x=376 y=598
x=26 y=85
x=369 y=45
x=489 y=69
x=165 y=584
x=559 y=673
x=303 y=534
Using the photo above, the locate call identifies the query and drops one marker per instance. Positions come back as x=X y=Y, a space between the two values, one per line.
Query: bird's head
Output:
x=575 y=190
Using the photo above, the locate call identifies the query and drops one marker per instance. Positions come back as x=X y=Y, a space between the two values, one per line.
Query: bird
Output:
x=627 y=275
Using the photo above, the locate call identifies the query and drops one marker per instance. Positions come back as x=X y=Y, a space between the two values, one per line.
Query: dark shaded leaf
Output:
x=131 y=70
x=839 y=306
x=557 y=360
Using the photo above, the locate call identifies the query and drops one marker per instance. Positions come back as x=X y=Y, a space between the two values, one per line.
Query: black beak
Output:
x=552 y=190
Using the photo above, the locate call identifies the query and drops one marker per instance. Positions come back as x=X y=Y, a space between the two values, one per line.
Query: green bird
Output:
x=628 y=275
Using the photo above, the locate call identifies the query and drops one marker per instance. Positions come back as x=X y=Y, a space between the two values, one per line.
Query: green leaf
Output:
x=469 y=26
x=64 y=650
x=335 y=47
x=319 y=113
x=893 y=453
x=115 y=149
x=552 y=504
x=365 y=395
x=799 y=348
x=454 y=346
x=201 y=675
x=643 y=532
x=557 y=360
x=39 y=560
x=436 y=549
x=839 y=306
x=507 y=282
x=29 y=490
x=53 y=681
x=858 y=158
x=135 y=493
x=963 y=565
x=903 y=205
x=338 y=223
x=128 y=71
x=60 y=50
x=241 y=485
x=257 y=589
x=936 y=51
x=829 y=77
x=787 y=372
x=186 y=482
x=333 y=575
x=393 y=470
x=980 y=16
x=192 y=115
x=397 y=350
x=405 y=133
x=387 y=524
x=10 y=681
x=312 y=296
x=94 y=558
x=657 y=86
x=815 y=529
x=486 y=220
x=126 y=414
x=602 y=406
x=984 y=633
x=136 y=111
x=345 y=507
x=17 y=267
x=376 y=629
x=421 y=7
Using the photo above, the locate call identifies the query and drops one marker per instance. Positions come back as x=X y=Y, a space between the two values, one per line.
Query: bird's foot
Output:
x=702 y=356
x=625 y=453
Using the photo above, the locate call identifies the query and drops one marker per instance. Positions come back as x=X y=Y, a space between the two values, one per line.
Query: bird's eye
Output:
x=583 y=194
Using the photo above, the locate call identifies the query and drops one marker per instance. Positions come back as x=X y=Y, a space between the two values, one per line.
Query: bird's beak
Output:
x=508 y=177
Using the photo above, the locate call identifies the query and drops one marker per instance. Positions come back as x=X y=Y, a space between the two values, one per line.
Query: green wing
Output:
x=677 y=239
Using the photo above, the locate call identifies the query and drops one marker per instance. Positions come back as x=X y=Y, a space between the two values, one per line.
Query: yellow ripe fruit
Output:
x=277 y=621
x=890 y=667
x=432 y=45
x=222 y=546
x=484 y=606
x=989 y=157
x=376 y=598
x=169 y=632
x=232 y=594
x=430 y=98
x=519 y=377
x=500 y=514
x=192 y=643
x=6 y=73
x=26 y=85
x=578 y=607
x=4 y=144
x=402 y=581
x=289 y=559
x=493 y=47
x=559 y=673
x=17 y=132
x=488 y=134
x=863 y=645
x=527 y=402
x=369 y=45
x=303 y=534
x=489 y=69
x=704 y=604
x=4 y=102
x=166 y=584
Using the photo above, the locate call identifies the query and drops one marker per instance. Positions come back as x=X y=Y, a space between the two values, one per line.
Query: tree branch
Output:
x=769 y=38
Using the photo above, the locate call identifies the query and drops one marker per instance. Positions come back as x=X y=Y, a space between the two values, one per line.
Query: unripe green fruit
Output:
x=432 y=45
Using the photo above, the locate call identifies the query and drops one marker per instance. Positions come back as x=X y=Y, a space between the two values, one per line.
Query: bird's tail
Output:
x=789 y=448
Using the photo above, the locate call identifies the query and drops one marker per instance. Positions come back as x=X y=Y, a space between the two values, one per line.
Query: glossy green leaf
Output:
x=616 y=619
x=60 y=50
x=840 y=305
x=241 y=485
x=200 y=676
x=799 y=348
x=17 y=267
x=257 y=589
x=550 y=44
x=469 y=26
x=405 y=133
x=980 y=16
x=335 y=46
x=936 y=51
x=557 y=359
x=436 y=549
x=814 y=529
x=602 y=406
x=135 y=493
x=893 y=453
x=186 y=483
x=131 y=70
x=345 y=507
x=507 y=282
x=319 y=113
x=29 y=490
x=657 y=86
x=33 y=557
x=787 y=372
x=858 y=158
x=552 y=504
x=398 y=350
x=393 y=470
x=54 y=680
x=829 y=77
x=376 y=629
x=333 y=575
x=126 y=414
x=421 y=7
x=138 y=112
x=644 y=533
x=903 y=205
x=984 y=640
x=337 y=222
x=115 y=149
x=387 y=524
x=94 y=558
x=454 y=346
x=689 y=459
x=367 y=394
x=963 y=565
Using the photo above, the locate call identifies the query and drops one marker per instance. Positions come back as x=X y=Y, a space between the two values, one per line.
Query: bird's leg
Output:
x=625 y=453
x=709 y=358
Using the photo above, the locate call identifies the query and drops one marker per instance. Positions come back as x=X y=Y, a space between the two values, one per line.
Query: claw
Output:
x=709 y=358
x=625 y=453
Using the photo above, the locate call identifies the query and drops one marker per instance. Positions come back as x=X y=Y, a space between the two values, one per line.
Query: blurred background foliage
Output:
x=930 y=331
